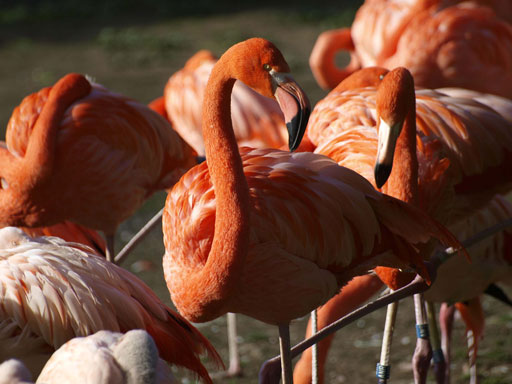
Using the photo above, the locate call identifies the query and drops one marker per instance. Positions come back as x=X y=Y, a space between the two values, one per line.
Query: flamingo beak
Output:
x=388 y=135
x=295 y=106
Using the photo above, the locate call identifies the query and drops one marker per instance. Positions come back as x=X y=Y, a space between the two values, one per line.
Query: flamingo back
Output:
x=72 y=233
x=463 y=138
x=490 y=258
x=459 y=46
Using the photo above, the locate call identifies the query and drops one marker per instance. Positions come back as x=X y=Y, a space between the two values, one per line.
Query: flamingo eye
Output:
x=267 y=67
x=381 y=77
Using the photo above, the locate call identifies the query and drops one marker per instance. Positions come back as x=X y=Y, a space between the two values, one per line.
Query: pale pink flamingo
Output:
x=52 y=291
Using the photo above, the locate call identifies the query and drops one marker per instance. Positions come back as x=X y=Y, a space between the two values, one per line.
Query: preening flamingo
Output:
x=257 y=120
x=51 y=291
x=269 y=233
x=458 y=149
x=103 y=358
x=107 y=358
x=442 y=43
x=81 y=153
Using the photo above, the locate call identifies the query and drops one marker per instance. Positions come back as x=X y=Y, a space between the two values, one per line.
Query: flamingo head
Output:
x=395 y=100
x=365 y=77
x=261 y=66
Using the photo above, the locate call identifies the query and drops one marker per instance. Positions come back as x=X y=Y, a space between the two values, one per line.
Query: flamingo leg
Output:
x=234 y=355
x=234 y=369
x=423 y=352
x=109 y=251
x=473 y=375
x=314 y=348
x=286 y=358
x=383 y=367
x=352 y=296
x=437 y=351
x=271 y=368
x=135 y=240
x=446 y=314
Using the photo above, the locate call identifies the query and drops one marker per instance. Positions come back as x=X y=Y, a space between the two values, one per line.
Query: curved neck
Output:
x=222 y=270
x=403 y=180
x=40 y=153
x=323 y=58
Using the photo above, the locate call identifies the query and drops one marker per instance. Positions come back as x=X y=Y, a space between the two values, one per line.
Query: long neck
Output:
x=222 y=270
x=323 y=59
x=40 y=154
x=403 y=180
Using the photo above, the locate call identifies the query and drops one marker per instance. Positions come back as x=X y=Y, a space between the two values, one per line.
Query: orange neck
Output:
x=212 y=285
x=323 y=58
x=40 y=153
x=24 y=175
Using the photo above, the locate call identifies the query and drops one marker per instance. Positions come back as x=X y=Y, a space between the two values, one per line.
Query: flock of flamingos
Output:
x=409 y=153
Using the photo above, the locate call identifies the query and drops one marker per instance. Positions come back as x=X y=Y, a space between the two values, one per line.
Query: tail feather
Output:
x=180 y=343
x=410 y=225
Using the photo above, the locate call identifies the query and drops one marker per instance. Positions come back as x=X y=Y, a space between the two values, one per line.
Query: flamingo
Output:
x=490 y=263
x=273 y=234
x=257 y=120
x=102 y=358
x=450 y=161
x=81 y=153
x=107 y=358
x=442 y=43
x=51 y=291
x=73 y=233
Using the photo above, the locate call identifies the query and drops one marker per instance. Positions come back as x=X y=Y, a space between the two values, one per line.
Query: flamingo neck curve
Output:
x=211 y=286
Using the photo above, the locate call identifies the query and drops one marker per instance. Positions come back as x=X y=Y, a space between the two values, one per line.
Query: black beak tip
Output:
x=296 y=129
x=381 y=172
x=200 y=159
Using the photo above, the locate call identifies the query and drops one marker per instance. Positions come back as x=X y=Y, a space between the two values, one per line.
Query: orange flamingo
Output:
x=343 y=125
x=71 y=232
x=442 y=43
x=272 y=234
x=257 y=120
x=53 y=291
x=81 y=153
x=472 y=279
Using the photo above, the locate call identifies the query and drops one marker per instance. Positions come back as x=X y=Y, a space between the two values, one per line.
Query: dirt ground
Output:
x=134 y=52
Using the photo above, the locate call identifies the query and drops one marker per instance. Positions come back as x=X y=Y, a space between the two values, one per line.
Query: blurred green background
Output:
x=133 y=49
